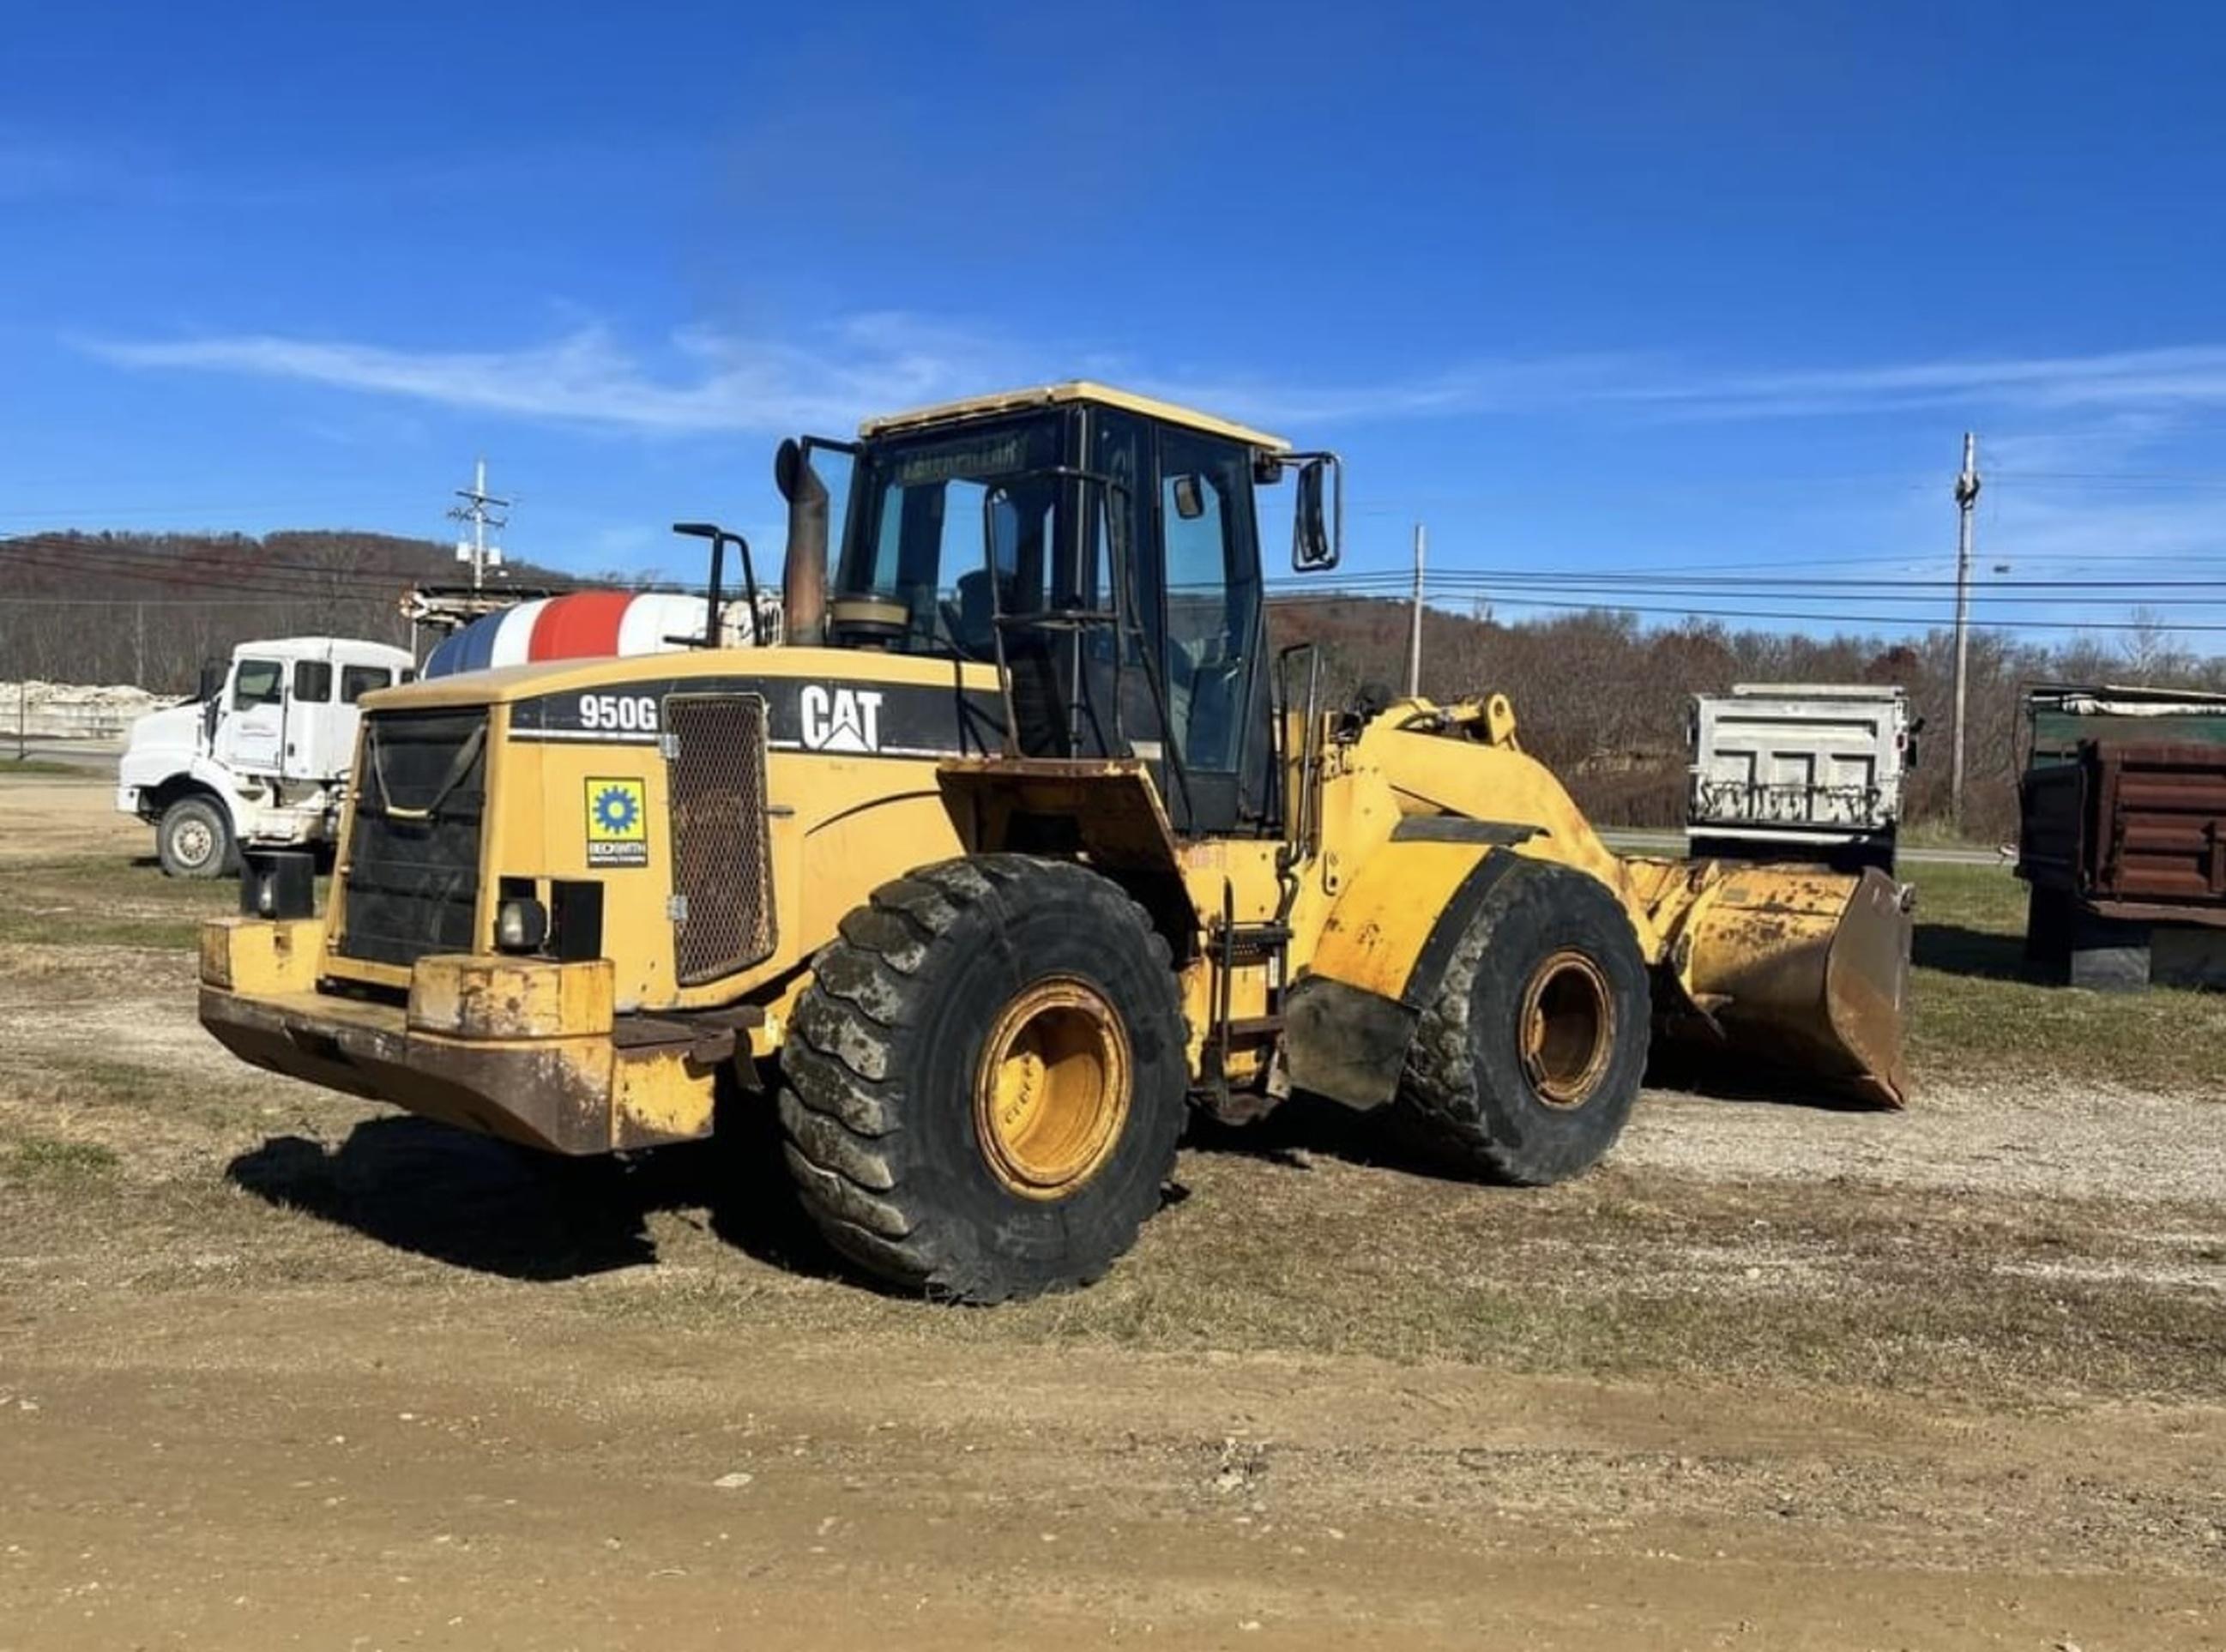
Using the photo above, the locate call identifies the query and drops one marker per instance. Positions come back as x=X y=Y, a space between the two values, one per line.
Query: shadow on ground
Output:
x=475 y=1203
x=1956 y=950
x=1307 y=1125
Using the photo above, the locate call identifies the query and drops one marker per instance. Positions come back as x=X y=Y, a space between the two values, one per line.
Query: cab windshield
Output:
x=930 y=518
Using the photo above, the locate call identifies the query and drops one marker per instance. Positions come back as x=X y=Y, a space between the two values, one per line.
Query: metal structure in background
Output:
x=1967 y=504
x=2122 y=835
x=1414 y=624
x=479 y=510
x=1799 y=770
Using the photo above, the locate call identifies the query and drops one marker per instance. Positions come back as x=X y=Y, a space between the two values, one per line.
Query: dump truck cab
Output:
x=260 y=756
x=1022 y=843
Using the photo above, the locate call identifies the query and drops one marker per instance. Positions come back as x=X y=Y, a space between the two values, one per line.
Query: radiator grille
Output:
x=412 y=874
x=721 y=856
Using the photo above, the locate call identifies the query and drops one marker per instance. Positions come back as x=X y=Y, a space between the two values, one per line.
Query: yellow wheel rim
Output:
x=1569 y=1029
x=1052 y=1093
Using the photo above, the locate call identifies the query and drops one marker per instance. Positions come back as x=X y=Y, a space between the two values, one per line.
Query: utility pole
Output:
x=1414 y=624
x=1967 y=501
x=479 y=509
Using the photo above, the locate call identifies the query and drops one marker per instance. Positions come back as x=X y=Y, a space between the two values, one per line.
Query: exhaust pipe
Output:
x=804 y=567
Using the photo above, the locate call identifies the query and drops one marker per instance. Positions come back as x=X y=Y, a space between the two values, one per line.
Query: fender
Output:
x=1385 y=950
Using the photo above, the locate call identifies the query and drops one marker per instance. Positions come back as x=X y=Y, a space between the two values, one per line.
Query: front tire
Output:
x=983 y=1086
x=193 y=840
x=1525 y=1065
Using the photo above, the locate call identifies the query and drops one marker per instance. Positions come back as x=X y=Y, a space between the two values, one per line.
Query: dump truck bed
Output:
x=2130 y=829
x=1797 y=764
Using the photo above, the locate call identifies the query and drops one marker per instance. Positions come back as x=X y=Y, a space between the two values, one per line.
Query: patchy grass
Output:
x=91 y=900
x=1977 y=1014
x=1941 y=834
x=44 y=1157
x=1623 y=1276
x=1997 y=1301
x=40 y=766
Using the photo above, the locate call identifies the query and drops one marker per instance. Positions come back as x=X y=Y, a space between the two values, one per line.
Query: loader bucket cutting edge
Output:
x=1807 y=971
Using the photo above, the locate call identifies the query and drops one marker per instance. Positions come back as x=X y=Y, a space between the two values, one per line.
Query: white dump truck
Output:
x=1799 y=772
x=261 y=756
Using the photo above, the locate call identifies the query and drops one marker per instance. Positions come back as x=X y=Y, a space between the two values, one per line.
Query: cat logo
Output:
x=840 y=719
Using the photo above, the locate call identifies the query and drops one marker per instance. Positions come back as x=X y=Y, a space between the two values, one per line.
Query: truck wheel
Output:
x=193 y=840
x=1525 y=1065
x=983 y=1085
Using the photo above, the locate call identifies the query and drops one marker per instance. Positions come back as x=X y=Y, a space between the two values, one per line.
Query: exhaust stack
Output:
x=804 y=568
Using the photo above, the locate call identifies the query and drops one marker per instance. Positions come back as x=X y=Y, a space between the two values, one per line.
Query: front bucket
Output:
x=1807 y=971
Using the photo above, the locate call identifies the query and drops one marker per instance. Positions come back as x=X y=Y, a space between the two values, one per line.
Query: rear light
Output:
x=521 y=924
x=277 y=883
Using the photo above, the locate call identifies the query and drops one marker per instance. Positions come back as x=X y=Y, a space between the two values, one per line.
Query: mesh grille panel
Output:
x=412 y=871
x=720 y=857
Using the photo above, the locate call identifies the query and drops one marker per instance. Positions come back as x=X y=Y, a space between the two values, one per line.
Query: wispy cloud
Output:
x=2181 y=376
x=717 y=381
x=708 y=381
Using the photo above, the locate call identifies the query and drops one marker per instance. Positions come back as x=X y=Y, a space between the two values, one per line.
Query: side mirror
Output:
x=212 y=682
x=1190 y=499
x=1317 y=540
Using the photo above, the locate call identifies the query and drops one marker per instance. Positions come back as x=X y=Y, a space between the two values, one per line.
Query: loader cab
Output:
x=1104 y=551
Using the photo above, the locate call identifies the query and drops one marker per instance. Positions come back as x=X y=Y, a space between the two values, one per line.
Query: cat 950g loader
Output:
x=1022 y=843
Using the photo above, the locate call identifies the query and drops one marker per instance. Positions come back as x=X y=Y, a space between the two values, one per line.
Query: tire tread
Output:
x=843 y=1099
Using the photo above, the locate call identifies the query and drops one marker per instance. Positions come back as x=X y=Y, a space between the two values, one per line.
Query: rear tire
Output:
x=983 y=1086
x=1525 y=1065
x=193 y=840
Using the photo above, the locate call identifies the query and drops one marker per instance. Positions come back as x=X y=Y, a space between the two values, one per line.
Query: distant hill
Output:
x=149 y=607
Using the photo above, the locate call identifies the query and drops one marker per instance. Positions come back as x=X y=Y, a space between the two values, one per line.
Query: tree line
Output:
x=1605 y=700
x=1597 y=696
x=150 y=608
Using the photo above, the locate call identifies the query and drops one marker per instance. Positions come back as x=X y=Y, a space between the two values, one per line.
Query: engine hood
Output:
x=174 y=728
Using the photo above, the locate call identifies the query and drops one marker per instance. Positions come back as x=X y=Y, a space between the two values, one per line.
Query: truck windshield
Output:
x=916 y=531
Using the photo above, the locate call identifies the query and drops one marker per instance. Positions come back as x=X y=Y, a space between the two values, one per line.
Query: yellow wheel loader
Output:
x=1024 y=843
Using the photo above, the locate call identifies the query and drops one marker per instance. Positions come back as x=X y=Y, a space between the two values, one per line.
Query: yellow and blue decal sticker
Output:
x=618 y=824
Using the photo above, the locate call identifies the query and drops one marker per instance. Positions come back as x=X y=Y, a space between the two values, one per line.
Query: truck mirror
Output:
x=212 y=682
x=1317 y=541
x=1190 y=499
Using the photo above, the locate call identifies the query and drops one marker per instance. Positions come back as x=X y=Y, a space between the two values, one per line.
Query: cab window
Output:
x=257 y=682
x=933 y=521
x=1212 y=595
x=313 y=682
x=356 y=681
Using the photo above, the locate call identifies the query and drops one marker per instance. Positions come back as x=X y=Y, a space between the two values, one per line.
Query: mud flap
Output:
x=1806 y=971
x=1383 y=956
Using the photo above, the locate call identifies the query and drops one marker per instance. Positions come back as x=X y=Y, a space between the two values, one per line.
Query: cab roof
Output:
x=317 y=647
x=1072 y=390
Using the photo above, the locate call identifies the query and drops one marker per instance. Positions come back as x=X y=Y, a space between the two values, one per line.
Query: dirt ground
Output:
x=278 y=1368
x=47 y=816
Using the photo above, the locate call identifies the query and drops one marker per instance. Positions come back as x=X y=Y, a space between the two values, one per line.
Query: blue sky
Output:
x=1669 y=287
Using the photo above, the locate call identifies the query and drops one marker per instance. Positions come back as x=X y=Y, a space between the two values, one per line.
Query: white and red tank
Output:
x=588 y=625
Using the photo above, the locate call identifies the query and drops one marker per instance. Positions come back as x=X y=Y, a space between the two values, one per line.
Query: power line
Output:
x=1672 y=584
x=1283 y=596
